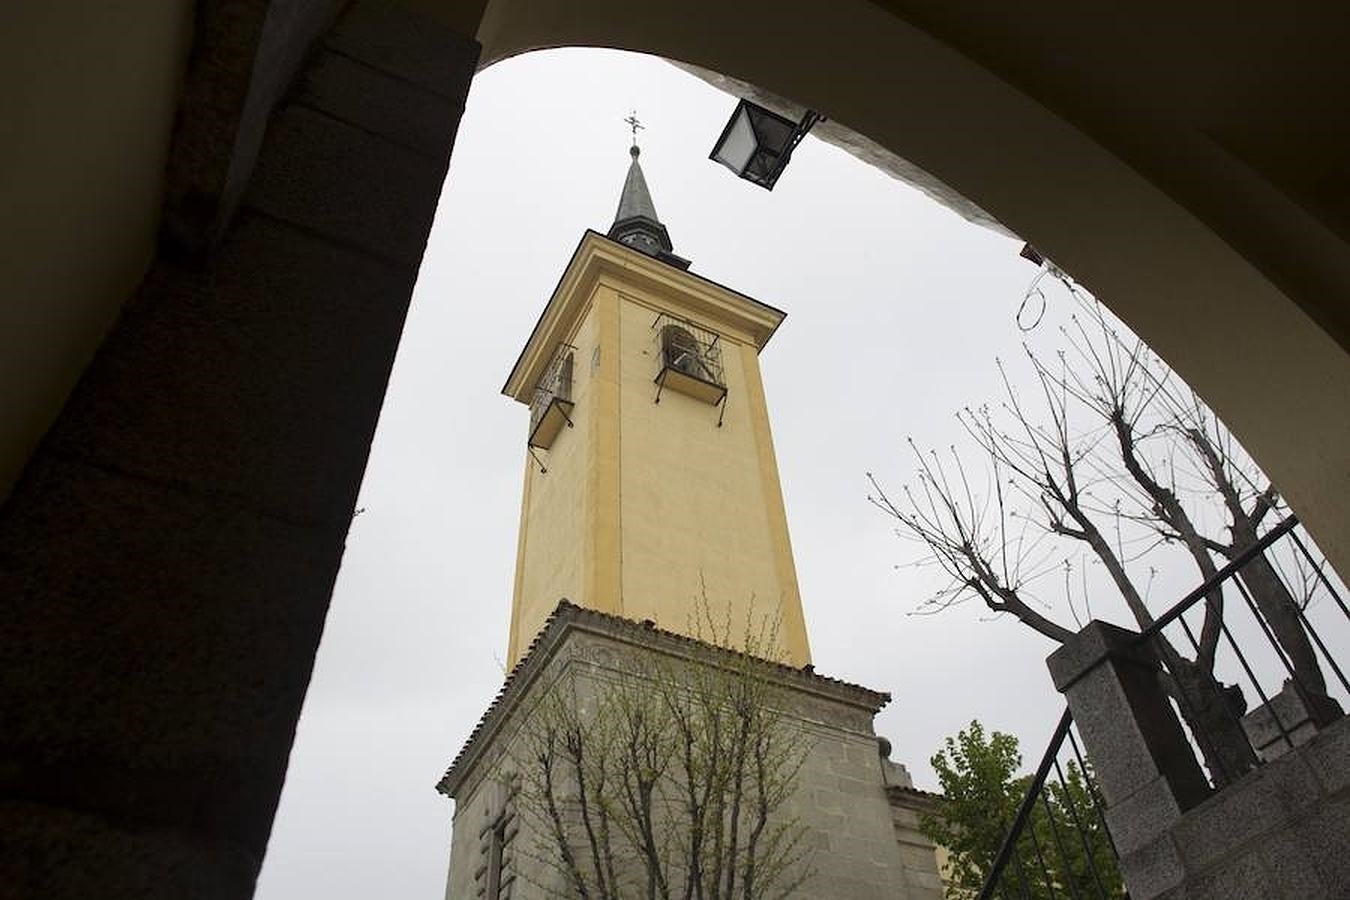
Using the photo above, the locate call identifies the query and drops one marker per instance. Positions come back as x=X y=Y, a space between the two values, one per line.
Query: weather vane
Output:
x=634 y=124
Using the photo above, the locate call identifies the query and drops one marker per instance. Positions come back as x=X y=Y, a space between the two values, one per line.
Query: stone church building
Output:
x=652 y=506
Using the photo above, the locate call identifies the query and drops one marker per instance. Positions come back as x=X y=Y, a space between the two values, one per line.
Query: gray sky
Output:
x=896 y=311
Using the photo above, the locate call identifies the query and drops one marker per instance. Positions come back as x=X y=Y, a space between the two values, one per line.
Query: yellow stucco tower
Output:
x=652 y=505
x=651 y=481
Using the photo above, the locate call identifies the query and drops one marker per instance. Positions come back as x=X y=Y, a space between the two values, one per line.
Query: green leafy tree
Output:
x=977 y=773
x=1064 y=850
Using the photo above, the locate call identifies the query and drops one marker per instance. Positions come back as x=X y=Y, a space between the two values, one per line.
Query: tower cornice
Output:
x=568 y=620
x=597 y=256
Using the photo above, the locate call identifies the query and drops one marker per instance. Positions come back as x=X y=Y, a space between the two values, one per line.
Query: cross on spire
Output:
x=634 y=124
x=635 y=223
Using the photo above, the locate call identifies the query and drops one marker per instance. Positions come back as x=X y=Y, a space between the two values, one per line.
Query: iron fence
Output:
x=1058 y=844
x=1274 y=613
x=1269 y=626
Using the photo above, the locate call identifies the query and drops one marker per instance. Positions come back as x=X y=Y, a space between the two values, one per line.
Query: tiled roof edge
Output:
x=568 y=614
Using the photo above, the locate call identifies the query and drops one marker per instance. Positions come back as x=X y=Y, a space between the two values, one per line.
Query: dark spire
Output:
x=635 y=222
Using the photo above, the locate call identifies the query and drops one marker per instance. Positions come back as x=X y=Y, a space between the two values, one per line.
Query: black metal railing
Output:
x=1273 y=615
x=554 y=384
x=690 y=349
x=1058 y=844
x=1288 y=625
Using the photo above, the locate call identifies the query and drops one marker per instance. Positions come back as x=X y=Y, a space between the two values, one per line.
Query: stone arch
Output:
x=194 y=493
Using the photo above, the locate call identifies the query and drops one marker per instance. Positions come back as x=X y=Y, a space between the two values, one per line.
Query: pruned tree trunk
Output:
x=1278 y=607
x=1213 y=713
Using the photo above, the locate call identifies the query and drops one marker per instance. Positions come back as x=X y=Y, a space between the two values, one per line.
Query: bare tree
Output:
x=1112 y=459
x=667 y=779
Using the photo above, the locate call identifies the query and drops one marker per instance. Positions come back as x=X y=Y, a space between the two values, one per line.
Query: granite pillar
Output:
x=167 y=556
x=1143 y=763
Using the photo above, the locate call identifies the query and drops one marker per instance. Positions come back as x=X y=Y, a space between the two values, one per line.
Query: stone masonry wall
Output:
x=1278 y=832
x=1281 y=832
x=841 y=797
x=918 y=856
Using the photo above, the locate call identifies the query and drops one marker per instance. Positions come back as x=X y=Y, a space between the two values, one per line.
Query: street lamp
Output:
x=757 y=143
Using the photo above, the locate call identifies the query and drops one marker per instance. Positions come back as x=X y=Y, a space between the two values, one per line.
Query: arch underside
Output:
x=234 y=248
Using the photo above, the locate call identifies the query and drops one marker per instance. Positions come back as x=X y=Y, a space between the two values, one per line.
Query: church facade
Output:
x=653 y=537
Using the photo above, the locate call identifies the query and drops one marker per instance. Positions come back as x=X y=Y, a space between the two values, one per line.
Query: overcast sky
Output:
x=896 y=311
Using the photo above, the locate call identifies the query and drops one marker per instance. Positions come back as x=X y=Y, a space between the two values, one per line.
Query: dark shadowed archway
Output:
x=170 y=544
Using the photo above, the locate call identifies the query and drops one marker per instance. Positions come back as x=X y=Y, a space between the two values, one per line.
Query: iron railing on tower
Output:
x=691 y=359
x=551 y=406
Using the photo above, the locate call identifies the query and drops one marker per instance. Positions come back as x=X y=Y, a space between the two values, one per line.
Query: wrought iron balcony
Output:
x=691 y=360
x=551 y=407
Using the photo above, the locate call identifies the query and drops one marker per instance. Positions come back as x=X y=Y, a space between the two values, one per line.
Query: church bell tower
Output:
x=651 y=488
x=653 y=541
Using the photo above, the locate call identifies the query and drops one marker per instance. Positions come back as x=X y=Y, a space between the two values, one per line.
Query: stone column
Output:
x=1143 y=762
x=167 y=556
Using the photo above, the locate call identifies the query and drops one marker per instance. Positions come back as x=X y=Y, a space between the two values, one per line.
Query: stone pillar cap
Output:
x=1091 y=647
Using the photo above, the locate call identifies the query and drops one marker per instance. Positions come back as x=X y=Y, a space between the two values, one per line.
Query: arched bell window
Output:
x=680 y=351
x=691 y=360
